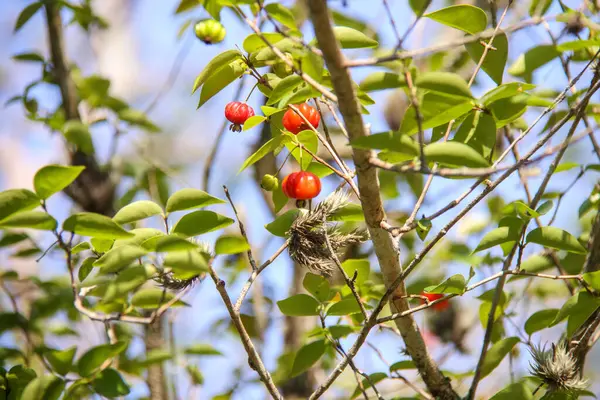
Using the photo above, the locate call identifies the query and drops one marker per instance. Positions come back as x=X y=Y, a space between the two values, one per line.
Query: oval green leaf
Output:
x=95 y=225
x=228 y=244
x=200 y=222
x=454 y=153
x=187 y=199
x=556 y=238
x=137 y=211
x=299 y=305
x=54 y=178
x=465 y=17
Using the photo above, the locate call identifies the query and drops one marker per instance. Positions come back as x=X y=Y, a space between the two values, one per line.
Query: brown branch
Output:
x=372 y=205
x=93 y=190
x=253 y=357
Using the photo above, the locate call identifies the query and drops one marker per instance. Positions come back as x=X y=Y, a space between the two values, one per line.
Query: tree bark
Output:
x=368 y=183
x=156 y=379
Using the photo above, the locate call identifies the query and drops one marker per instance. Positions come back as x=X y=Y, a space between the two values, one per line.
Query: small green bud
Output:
x=269 y=183
x=210 y=31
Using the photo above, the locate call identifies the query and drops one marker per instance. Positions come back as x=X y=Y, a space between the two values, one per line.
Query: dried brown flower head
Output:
x=308 y=246
x=557 y=369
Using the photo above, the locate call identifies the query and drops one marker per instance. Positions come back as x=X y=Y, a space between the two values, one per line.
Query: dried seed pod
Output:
x=557 y=368
x=307 y=235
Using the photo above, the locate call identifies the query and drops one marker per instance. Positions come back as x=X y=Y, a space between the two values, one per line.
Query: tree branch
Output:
x=370 y=198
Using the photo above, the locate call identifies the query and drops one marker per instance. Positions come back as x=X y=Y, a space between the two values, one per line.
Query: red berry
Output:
x=301 y=185
x=237 y=113
x=442 y=305
x=293 y=122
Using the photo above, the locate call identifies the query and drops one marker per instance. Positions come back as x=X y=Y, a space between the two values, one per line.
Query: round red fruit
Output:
x=301 y=185
x=442 y=305
x=237 y=113
x=293 y=122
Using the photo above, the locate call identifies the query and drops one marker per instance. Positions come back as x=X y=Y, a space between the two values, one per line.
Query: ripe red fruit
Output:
x=442 y=305
x=293 y=122
x=237 y=113
x=301 y=185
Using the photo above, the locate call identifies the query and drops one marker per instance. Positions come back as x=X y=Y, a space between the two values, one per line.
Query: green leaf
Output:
x=137 y=211
x=317 y=286
x=309 y=140
x=465 y=17
x=168 y=244
x=436 y=110
x=367 y=383
x=495 y=60
x=186 y=265
x=78 y=134
x=454 y=153
x=299 y=305
x=593 y=279
x=506 y=111
x=26 y=15
x=577 y=45
x=101 y=245
x=307 y=356
x=229 y=244
x=340 y=331
x=95 y=225
x=478 y=131
x=518 y=208
x=48 y=387
x=496 y=354
x=196 y=377
x=555 y=238
x=388 y=141
x=15 y=200
x=253 y=121
x=137 y=118
x=54 y=178
x=503 y=91
x=154 y=298
x=30 y=219
x=255 y=42
x=514 y=391
x=187 y=199
x=119 y=257
x=352 y=39
x=455 y=285
x=347 y=306
x=444 y=82
x=220 y=80
x=382 y=80
x=93 y=359
x=533 y=59
x=10 y=238
x=265 y=149
x=219 y=62
x=499 y=236
x=540 y=320
x=351 y=212
x=360 y=266
x=200 y=222
x=284 y=88
x=86 y=267
x=281 y=14
x=312 y=65
x=419 y=6
x=109 y=383
x=577 y=309
x=283 y=222
x=566 y=166
x=545 y=207
x=423 y=228
x=539 y=7
x=127 y=281
x=61 y=360
x=202 y=349
x=401 y=365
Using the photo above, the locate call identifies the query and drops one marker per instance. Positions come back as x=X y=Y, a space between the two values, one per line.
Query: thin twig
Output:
x=242 y=230
x=253 y=357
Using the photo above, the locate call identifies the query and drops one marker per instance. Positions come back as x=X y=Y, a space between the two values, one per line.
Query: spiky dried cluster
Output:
x=557 y=369
x=308 y=245
x=169 y=281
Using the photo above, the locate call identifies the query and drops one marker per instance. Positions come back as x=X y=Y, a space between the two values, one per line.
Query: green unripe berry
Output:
x=269 y=183
x=210 y=31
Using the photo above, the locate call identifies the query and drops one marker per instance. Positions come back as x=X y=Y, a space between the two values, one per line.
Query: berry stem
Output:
x=251 y=90
x=284 y=161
